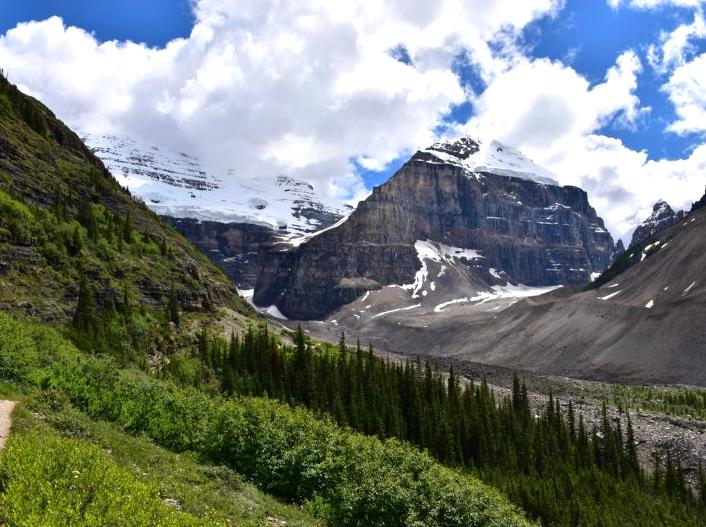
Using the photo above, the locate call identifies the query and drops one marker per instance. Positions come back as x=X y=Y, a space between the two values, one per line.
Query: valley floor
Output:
x=683 y=435
x=659 y=427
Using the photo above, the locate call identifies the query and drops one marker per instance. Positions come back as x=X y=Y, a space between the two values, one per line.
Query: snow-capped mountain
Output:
x=177 y=185
x=456 y=221
x=477 y=157
x=662 y=217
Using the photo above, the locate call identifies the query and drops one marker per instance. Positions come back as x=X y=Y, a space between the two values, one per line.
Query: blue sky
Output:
x=153 y=22
x=593 y=33
x=588 y=35
x=256 y=87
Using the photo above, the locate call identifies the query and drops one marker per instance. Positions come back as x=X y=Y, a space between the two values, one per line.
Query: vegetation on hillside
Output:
x=47 y=481
x=62 y=215
x=342 y=477
x=550 y=464
x=215 y=495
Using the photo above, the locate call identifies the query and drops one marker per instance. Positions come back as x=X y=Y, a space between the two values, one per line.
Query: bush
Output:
x=347 y=478
x=52 y=481
x=17 y=219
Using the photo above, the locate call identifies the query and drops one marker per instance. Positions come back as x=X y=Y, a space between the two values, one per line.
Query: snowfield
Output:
x=494 y=158
x=176 y=184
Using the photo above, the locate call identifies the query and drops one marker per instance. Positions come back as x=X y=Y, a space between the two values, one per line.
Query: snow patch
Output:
x=297 y=241
x=691 y=286
x=274 y=311
x=442 y=307
x=436 y=252
x=608 y=297
x=396 y=310
x=247 y=294
x=494 y=273
x=497 y=292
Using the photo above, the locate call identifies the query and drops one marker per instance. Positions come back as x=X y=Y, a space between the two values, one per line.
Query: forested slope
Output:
x=62 y=215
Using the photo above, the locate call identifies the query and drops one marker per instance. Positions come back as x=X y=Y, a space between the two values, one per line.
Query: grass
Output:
x=212 y=495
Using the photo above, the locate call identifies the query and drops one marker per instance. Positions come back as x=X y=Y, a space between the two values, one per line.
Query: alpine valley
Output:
x=466 y=347
x=469 y=252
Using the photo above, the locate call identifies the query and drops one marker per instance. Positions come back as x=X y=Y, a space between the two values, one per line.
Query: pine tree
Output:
x=204 y=346
x=631 y=458
x=173 y=306
x=87 y=218
x=84 y=315
x=702 y=486
x=342 y=343
x=127 y=229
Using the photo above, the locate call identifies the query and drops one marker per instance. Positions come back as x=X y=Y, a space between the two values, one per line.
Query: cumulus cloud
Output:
x=264 y=87
x=310 y=88
x=675 y=47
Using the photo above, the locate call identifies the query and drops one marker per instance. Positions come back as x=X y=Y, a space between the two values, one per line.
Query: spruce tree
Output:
x=127 y=229
x=631 y=458
x=173 y=306
x=87 y=218
x=85 y=311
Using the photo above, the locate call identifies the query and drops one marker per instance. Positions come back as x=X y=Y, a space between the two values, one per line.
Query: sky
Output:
x=607 y=94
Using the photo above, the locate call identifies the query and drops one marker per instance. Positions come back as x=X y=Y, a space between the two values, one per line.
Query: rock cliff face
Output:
x=501 y=215
x=233 y=246
x=662 y=218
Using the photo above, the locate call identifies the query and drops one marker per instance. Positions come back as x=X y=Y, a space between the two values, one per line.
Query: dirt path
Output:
x=6 y=408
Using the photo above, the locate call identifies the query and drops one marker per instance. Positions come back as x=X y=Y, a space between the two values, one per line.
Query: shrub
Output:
x=52 y=481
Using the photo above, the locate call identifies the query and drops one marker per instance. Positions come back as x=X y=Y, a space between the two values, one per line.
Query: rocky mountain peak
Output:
x=478 y=157
x=458 y=219
x=462 y=148
x=662 y=217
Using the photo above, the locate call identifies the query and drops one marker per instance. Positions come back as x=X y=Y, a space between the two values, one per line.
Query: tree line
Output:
x=550 y=462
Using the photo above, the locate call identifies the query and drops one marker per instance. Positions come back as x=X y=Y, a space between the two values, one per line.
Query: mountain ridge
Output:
x=539 y=234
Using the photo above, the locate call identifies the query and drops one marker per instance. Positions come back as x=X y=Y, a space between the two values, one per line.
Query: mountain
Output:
x=63 y=217
x=643 y=320
x=662 y=217
x=177 y=185
x=230 y=221
x=457 y=219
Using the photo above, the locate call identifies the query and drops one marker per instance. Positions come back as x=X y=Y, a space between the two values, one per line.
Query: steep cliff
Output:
x=233 y=246
x=662 y=217
x=497 y=215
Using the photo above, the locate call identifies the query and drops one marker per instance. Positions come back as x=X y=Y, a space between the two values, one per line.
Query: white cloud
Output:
x=675 y=47
x=305 y=86
x=685 y=89
x=264 y=87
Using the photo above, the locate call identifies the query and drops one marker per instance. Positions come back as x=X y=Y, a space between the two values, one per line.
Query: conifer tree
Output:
x=702 y=485
x=87 y=218
x=173 y=306
x=127 y=229
x=84 y=315
x=631 y=458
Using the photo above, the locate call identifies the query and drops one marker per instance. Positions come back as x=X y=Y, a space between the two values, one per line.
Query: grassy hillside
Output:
x=62 y=214
x=343 y=478
x=70 y=460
